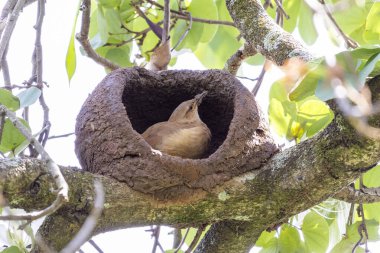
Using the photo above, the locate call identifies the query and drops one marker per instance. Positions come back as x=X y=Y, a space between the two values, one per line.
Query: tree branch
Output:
x=290 y=182
x=260 y=30
x=82 y=37
x=366 y=195
x=10 y=25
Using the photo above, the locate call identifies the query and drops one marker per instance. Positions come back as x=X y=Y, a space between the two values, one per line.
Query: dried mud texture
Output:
x=128 y=101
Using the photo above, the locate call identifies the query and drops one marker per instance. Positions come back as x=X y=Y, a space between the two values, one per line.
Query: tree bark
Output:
x=260 y=30
x=290 y=182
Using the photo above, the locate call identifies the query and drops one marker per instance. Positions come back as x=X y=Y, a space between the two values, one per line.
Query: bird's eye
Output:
x=191 y=107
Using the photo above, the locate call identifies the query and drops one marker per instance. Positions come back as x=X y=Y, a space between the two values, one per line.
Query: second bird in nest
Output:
x=184 y=134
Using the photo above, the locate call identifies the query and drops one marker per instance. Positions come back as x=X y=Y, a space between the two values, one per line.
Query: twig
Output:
x=183 y=36
x=281 y=8
x=156 y=235
x=85 y=232
x=60 y=136
x=350 y=43
x=10 y=25
x=165 y=31
x=177 y=237
x=37 y=72
x=182 y=242
x=196 y=239
x=260 y=79
x=62 y=187
x=2 y=121
x=82 y=37
x=4 y=68
x=234 y=62
x=184 y=15
x=202 y=20
x=95 y=246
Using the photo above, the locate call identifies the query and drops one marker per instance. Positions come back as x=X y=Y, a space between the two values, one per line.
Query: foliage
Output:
x=297 y=108
x=12 y=141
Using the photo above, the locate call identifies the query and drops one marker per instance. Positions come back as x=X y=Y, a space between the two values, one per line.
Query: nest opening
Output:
x=145 y=109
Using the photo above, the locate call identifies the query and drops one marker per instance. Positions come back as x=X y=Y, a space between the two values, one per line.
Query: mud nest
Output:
x=128 y=101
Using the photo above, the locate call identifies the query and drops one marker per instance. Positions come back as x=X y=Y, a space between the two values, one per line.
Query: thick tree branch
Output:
x=292 y=181
x=260 y=30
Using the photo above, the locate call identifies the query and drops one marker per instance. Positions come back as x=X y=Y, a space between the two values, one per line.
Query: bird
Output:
x=184 y=134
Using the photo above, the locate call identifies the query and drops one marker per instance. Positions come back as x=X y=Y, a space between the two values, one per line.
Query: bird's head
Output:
x=187 y=111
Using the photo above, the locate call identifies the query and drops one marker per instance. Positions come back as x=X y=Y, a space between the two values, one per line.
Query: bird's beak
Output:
x=198 y=98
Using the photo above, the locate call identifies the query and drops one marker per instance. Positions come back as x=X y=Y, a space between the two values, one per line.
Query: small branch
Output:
x=365 y=195
x=93 y=244
x=281 y=9
x=60 y=136
x=260 y=79
x=177 y=237
x=89 y=225
x=234 y=62
x=2 y=121
x=166 y=30
x=185 y=16
x=350 y=43
x=82 y=37
x=10 y=25
x=183 y=36
x=4 y=68
x=197 y=236
x=156 y=234
x=183 y=241
x=62 y=187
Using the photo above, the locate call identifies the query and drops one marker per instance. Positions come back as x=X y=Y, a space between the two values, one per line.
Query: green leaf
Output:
x=352 y=18
x=272 y=246
x=372 y=229
x=29 y=96
x=191 y=234
x=289 y=239
x=344 y=246
x=113 y=20
x=102 y=25
x=109 y=3
x=257 y=59
x=264 y=238
x=316 y=233
x=306 y=87
x=314 y=115
x=12 y=249
x=120 y=56
x=282 y=115
x=205 y=8
x=372 y=21
x=174 y=251
x=368 y=68
x=215 y=54
x=11 y=137
x=10 y=101
x=292 y=8
x=306 y=24
x=71 y=60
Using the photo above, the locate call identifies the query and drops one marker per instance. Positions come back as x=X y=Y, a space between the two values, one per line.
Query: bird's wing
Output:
x=155 y=134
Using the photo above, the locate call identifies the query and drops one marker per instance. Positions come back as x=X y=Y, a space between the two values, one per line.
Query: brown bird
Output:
x=184 y=134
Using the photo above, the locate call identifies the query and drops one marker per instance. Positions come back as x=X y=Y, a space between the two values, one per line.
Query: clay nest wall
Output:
x=128 y=101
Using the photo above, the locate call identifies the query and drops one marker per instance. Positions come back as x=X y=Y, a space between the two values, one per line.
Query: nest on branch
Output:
x=128 y=101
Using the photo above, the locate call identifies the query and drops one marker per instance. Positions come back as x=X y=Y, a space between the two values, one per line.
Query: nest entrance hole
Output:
x=150 y=101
